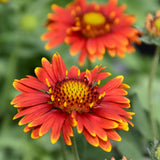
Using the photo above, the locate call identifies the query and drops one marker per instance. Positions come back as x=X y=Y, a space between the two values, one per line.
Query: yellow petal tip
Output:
x=47 y=47
x=53 y=141
x=120 y=77
x=20 y=124
x=42 y=37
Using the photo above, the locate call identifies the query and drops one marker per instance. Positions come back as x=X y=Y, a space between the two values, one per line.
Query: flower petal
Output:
x=91 y=139
x=57 y=127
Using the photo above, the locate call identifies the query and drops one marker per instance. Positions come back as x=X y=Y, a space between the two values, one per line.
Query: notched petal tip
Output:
x=119 y=139
x=15 y=117
x=40 y=133
x=36 y=70
x=109 y=74
x=108 y=149
x=34 y=137
x=56 y=55
x=25 y=130
x=127 y=86
x=69 y=143
x=15 y=82
x=79 y=130
x=96 y=144
x=115 y=125
x=43 y=60
x=132 y=113
x=30 y=124
x=120 y=77
x=20 y=123
x=16 y=106
x=53 y=141
x=12 y=102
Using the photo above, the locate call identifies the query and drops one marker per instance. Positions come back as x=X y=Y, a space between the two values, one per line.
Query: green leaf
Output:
x=130 y=145
x=141 y=119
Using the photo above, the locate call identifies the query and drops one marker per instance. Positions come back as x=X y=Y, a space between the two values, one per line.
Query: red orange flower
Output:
x=153 y=23
x=91 y=29
x=58 y=99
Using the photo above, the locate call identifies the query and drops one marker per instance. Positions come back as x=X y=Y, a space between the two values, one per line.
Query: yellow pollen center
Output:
x=75 y=94
x=157 y=23
x=94 y=18
x=75 y=89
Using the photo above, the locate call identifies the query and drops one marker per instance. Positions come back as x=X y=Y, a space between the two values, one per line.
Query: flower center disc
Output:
x=157 y=23
x=74 y=94
x=93 y=24
x=94 y=18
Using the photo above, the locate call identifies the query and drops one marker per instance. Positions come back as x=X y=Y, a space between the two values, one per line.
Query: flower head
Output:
x=58 y=99
x=91 y=29
x=153 y=23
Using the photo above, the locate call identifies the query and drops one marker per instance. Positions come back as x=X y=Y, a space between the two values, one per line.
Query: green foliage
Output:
x=149 y=38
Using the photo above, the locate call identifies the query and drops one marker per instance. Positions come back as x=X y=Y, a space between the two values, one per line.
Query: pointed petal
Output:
x=96 y=75
x=92 y=140
x=83 y=118
x=105 y=145
x=91 y=45
x=30 y=110
x=77 y=46
x=35 y=133
x=47 y=123
x=30 y=99
x=30 y=117
x=82 y=57
x=113 y=135
x=42 y=75
x=59 y=67
x=48 y=68
x=113 y=83
x=116 y=99
x=57 y=127
x=73 y=73
x=39 y=120
x=54 y=42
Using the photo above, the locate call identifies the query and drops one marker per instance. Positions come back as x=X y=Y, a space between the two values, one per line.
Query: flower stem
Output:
x=74 y=149
x=151 y=76
x=63 y=148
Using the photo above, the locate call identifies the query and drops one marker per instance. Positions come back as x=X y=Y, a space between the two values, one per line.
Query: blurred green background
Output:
x=21 y=50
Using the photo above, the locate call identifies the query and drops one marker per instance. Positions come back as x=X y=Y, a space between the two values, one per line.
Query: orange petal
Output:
x=91 y=45
x=57 y=127
x=113 y=135
x=105 y=145
x=92 y=140
x=35 y=133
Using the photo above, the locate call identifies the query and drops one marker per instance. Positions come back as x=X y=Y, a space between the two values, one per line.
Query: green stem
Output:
x=63 y=148
x=74 y=149
x=151 y=76
x=89 y=64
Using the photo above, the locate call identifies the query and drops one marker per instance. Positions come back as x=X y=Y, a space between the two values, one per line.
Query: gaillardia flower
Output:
x=91 y=29
x=153 y=23
x=58 y=99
